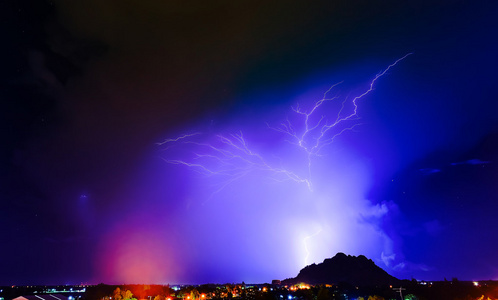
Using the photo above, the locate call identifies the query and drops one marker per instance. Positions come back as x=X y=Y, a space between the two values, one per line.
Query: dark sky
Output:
x=159 y=141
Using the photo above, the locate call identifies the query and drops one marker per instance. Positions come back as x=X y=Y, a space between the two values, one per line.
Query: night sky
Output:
x=159 y=141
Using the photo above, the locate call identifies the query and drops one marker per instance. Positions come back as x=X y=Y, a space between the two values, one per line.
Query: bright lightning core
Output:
x=284 y=187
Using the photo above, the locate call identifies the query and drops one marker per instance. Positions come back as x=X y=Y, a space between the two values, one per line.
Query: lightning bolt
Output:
x=185 y=136
x=314 y=135
x=231 y=157
x=305 y=242
x=228 y=156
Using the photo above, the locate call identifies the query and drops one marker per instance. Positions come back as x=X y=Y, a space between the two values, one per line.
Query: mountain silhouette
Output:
x=342 y=268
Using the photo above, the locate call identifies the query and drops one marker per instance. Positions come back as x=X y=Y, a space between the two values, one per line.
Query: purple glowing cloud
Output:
x=232 y=157
x=285 y=182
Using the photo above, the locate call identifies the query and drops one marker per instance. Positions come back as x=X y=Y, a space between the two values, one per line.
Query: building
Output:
x=43 y=297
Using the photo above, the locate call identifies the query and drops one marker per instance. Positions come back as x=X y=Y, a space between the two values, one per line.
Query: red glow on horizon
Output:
x=134 y=254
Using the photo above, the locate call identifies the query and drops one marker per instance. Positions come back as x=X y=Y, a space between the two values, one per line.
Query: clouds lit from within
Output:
x=262 y=199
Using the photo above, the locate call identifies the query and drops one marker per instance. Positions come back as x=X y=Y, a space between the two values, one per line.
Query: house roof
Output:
x=42 y=297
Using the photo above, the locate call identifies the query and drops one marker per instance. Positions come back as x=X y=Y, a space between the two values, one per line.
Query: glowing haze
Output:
x=266 y=194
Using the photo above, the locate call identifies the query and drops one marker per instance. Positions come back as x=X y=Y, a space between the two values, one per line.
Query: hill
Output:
x=342 y=268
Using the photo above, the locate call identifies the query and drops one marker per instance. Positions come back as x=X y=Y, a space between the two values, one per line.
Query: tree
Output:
x=117 y=294
x=375 y=297
x=127 y=295
x=194 y=294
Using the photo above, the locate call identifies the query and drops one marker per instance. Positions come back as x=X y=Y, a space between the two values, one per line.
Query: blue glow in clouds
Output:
x=268 y=197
